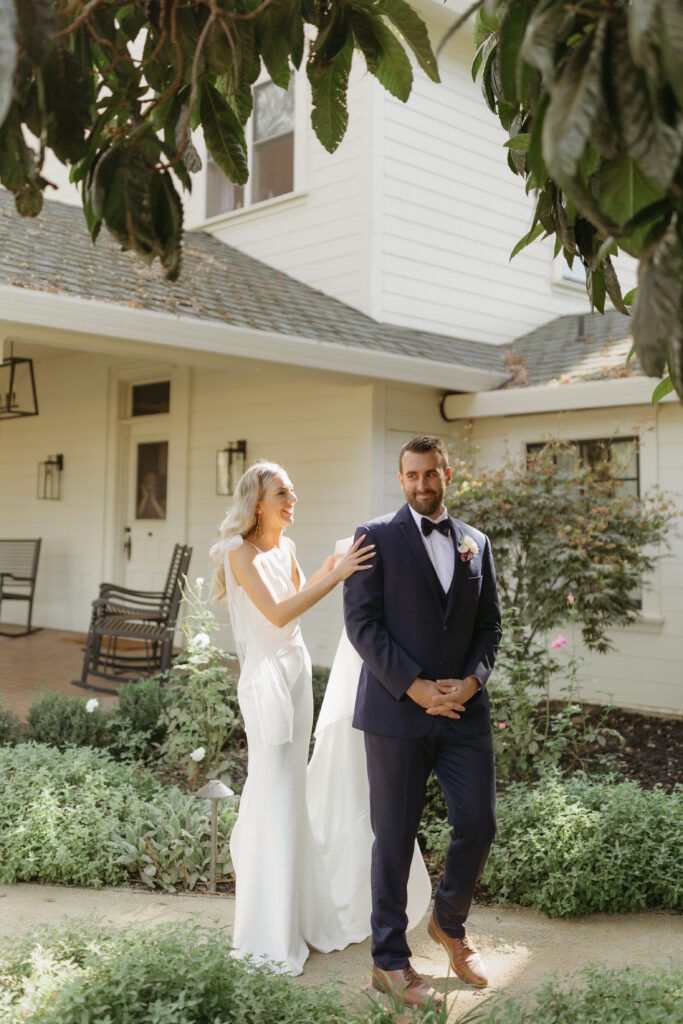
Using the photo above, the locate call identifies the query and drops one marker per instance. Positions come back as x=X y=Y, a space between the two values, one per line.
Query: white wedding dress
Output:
x=302 y=860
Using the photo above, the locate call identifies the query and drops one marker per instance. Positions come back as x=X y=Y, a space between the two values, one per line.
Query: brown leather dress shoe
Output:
x=464 y=958
x=405 y=985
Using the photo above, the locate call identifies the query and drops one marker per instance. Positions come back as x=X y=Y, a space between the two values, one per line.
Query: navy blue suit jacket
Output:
x=403 y=626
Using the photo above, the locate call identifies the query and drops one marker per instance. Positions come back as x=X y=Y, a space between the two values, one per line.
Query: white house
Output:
x=330 y=310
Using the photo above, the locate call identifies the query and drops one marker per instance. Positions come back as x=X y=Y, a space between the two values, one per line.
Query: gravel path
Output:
x=521 y=947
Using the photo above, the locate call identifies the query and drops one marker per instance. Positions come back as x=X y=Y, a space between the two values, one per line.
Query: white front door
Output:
x=148 y=524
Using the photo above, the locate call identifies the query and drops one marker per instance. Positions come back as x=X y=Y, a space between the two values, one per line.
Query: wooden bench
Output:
x=131 y=631
x=18 y=571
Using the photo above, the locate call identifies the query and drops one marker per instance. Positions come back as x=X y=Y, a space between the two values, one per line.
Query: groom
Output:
x=425 y=619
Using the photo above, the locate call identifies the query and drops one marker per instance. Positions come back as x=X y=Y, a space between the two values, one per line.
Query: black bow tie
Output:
x=428 y=525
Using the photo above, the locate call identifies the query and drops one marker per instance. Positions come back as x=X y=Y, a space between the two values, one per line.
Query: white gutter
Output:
x=74 y=322
x=596 y=394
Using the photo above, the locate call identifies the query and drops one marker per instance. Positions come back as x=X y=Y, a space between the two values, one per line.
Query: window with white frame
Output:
x=576 y=274
x=270 y=137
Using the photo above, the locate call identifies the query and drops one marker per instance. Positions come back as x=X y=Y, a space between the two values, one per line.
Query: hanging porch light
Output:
x=17 y=388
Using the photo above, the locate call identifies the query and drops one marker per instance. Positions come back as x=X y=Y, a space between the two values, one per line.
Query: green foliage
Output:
x=562 y=530
x=62 y=721
x=202 y=713
x=597 y=90
x=606 y=994
x=136 y=725
x=164 y=975
x=71 y=75
x=321 y=676
x=80 y=818
x=10 y=727
x=576 y=846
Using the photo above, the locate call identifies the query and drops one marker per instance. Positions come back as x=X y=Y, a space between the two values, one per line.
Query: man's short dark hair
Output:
x=425 y=443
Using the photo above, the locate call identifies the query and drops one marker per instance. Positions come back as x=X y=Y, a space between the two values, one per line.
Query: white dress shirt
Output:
x=441 y=550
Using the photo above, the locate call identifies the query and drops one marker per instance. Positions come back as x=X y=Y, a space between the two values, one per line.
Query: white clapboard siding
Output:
x=451 y=213
x=644 y=670
x=72 y=421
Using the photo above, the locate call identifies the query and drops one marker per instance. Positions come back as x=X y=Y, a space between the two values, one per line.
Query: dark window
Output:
x=152 y=480
x=621 y=453
x=151 y=399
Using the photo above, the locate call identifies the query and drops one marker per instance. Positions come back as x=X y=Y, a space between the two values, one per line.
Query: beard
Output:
x=428 y=505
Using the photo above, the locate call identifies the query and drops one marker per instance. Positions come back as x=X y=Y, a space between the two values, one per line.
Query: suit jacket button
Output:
x=445 y=629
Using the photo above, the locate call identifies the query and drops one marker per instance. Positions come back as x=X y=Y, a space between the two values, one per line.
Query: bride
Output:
x=302 y=860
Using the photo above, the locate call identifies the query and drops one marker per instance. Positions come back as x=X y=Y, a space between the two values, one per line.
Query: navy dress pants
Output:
x=398 y=770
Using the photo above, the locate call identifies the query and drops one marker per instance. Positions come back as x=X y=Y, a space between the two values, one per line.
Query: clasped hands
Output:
x=445 y=697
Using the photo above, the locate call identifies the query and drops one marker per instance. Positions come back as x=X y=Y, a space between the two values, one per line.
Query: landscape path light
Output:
x=214 y=791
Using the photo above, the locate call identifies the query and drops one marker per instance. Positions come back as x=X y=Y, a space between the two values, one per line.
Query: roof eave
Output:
x=71 y=320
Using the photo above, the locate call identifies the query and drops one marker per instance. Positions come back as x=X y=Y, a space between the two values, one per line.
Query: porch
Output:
x=44 y=662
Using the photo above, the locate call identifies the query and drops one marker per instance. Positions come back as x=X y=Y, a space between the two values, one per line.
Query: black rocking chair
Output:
x=131 y=631
x=18 y=571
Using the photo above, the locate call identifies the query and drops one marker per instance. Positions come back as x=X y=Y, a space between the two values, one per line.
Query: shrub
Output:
x=80 y=818
x=62 y=721
x=10 y=726
x=576 y=846
x=321 y=675
x=137 y=723
x=607 y=995
x=171 y=974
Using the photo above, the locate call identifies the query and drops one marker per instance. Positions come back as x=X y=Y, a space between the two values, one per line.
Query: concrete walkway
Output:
x=521 y=947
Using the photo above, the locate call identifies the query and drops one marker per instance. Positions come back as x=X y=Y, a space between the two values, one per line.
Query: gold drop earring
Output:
x=258 y=523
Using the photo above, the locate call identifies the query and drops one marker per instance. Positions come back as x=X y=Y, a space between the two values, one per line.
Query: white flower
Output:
x=91 y=704
x=198 y=755
x=199 y=582
x=198 y=659
x=468 y=546
x=200 y=640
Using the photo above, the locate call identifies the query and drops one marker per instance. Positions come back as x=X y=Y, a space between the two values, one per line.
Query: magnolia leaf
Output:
x=329 y=86
x=67 y=91
x=17 y=162
x=612 y=285
x=273 y=39
x=518 y=142
x=573 y=106
x=664 y=388
x=657 y=314
x=650 y=141
x=596 y=288
x=629 y=299
x=37 y=23
x=624 y=189
x=223 y=135
x=122 y=198
x=510 y=38
x=547 y=27
x=414 y=32
x=8 y=55
x=641 y=16
x=167 y=211
x=384 y=55
x=527 y=239
x=671 y=43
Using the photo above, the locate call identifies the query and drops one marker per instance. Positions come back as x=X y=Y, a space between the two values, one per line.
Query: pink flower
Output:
x=559 y=641
x=502 y=725
x=570 y=599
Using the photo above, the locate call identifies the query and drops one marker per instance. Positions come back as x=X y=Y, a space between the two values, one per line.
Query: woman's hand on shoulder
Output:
x=354 y=559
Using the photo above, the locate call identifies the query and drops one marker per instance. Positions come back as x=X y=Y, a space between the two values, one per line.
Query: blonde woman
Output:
x=283 y=901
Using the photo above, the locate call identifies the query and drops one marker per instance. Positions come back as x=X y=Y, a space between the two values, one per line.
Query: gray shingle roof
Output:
x=218 y=283
x=572 y=348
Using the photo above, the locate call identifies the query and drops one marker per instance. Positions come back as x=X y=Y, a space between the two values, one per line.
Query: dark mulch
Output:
x=652 y=749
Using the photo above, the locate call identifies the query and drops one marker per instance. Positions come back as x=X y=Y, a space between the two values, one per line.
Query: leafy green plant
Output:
x=606 y=994
x=137 y=726
x=591 y=96
x=10 y=726
x=321 y=676
x=80 y=818
x=202 y=713
x=576 y=846
x=121 y=114
x=62 y=721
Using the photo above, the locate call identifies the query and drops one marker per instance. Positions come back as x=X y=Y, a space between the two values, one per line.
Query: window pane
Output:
x=152 y=476
x=151 y=399
x=273 y=111
x=625 y=459
x=577 y=271
x=222 y=195
x=273 y=170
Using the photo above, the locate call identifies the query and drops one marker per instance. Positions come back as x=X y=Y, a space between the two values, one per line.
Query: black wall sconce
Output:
x=50 y=478
x=230 y=464
x=17 y=388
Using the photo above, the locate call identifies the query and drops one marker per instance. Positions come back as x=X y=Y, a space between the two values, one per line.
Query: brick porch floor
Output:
x=46 y=661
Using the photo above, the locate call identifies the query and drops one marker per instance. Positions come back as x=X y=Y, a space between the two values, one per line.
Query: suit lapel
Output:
x=459 y=571
x=414 y=541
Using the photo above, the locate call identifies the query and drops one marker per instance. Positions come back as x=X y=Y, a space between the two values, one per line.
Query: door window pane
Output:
x=152 y=479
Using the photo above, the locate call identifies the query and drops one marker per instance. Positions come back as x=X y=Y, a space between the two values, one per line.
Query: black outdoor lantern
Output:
x=17 y=388
x=230 y=464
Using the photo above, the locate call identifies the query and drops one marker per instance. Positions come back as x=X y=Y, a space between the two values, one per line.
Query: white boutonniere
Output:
x=468 y=548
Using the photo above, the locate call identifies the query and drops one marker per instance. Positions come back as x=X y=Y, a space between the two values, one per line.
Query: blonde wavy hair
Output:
x=241 y=516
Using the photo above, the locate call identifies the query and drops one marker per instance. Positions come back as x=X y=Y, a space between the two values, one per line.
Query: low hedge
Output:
x=77 y=817
x=573 y=846
x=598 y=994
